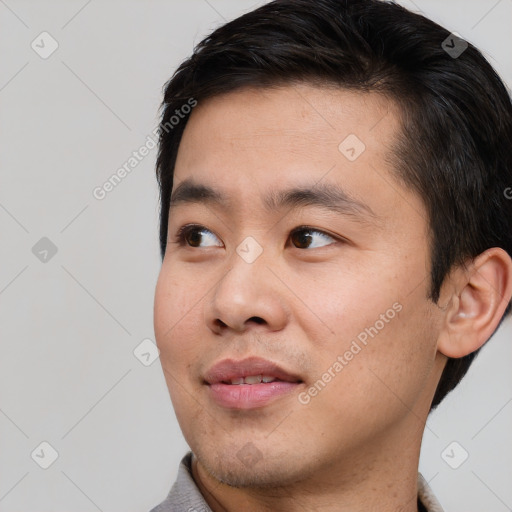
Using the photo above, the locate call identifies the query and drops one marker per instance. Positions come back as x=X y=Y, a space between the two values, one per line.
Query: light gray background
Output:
x=68 y=375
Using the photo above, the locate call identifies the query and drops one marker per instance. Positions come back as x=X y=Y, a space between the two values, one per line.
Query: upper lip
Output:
x=228 y=369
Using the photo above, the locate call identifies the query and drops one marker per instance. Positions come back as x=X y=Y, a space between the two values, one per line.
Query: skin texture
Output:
x=356 y=442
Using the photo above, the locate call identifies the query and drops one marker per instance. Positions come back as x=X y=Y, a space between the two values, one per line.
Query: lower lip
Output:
x=249 y=396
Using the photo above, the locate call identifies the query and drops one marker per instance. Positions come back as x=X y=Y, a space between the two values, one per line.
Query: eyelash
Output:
x=180 y=237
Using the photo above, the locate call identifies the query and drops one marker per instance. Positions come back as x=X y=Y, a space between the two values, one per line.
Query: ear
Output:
x=476 y=298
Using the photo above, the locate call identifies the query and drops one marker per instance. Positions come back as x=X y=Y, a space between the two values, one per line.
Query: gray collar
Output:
x=184 y=495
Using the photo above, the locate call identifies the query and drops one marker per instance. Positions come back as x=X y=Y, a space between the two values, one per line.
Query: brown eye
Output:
x=308 y=238
x=194 y=235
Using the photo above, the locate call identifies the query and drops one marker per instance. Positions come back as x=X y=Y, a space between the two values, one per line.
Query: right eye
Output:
x=193 y=234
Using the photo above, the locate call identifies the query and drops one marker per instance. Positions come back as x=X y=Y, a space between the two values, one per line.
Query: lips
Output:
x=230 y=370
x=248 y=383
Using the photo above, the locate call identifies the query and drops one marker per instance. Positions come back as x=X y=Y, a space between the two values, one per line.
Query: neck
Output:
x=381 y=476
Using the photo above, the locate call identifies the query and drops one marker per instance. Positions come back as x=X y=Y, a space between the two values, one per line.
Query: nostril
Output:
x=221 y=326
x=256 y=319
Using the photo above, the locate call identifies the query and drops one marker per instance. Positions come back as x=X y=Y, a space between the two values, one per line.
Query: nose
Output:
x=248 y=295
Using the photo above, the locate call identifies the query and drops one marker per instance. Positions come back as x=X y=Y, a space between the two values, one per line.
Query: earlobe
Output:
x=479 y=297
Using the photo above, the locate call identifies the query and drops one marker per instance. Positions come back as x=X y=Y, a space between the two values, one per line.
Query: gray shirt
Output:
x=185 y=496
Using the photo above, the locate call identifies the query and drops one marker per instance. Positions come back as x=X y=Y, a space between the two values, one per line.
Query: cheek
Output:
x=386 y=341
x=178 y=317
x=378 y=388
x=177 y=320
x=404 y=376
x=340 y=303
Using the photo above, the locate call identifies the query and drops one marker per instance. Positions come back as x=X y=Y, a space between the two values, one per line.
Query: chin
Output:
x=246 y=466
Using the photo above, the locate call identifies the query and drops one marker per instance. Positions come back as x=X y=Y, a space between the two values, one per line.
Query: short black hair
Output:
x=454 y=148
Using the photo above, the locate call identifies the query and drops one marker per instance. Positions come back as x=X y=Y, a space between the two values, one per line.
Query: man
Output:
x=336 y=239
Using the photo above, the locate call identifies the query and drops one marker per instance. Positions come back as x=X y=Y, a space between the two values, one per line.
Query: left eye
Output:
x=304 y=238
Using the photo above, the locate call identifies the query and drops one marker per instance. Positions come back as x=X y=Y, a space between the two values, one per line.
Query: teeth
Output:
x=252 y=379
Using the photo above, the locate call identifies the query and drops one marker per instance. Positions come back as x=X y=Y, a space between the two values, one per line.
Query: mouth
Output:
x=251 y=380
x=249 y=383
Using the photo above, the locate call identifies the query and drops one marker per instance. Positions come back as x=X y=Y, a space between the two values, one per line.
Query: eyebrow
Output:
x=326 y=196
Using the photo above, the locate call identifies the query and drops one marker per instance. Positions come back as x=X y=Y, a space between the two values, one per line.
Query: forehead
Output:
x=262 y=139
x=301 y=125
x=320 y=111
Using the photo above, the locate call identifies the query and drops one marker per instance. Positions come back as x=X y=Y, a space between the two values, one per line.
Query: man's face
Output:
x=329 y=301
